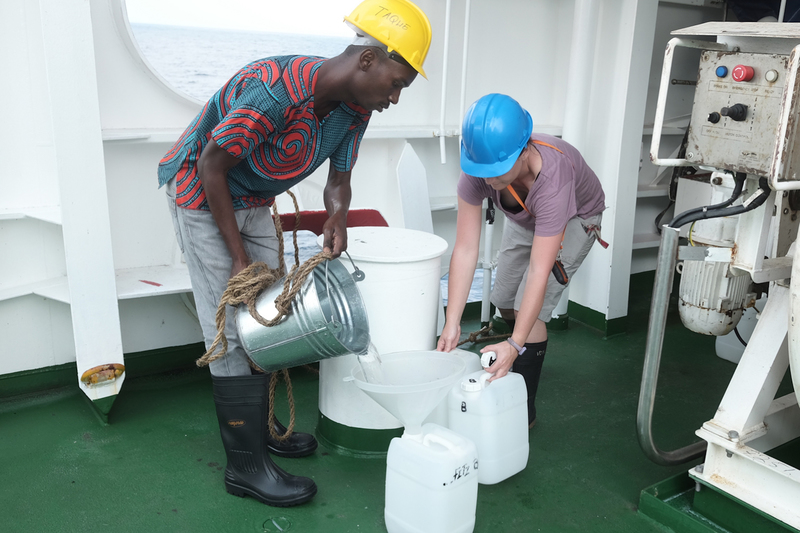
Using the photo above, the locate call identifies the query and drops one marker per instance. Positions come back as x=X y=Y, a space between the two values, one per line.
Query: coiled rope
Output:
x=479 y=336
x=244 y=288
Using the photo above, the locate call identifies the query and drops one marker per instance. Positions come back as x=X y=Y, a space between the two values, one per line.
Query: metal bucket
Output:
x=328 y=319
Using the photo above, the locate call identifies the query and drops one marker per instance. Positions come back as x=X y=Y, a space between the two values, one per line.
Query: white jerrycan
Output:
x=495 y=417
x=431 y=482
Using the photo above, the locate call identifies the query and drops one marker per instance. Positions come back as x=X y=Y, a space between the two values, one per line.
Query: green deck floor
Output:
x=158 y=465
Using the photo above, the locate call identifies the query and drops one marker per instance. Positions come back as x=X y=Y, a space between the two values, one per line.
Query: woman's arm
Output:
x=462 y=270
x=543 y=255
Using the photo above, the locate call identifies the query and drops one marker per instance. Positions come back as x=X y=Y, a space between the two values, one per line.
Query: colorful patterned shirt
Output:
x=264 y=115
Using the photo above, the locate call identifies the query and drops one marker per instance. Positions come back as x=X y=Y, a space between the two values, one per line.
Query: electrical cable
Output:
x=657 y=221
x=739 y=179
x=714 y=211
x=736 y=331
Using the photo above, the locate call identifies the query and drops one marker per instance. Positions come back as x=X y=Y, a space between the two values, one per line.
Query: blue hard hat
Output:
x=496 y=129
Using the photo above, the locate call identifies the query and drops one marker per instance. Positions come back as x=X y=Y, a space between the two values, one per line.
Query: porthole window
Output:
x=197 y=45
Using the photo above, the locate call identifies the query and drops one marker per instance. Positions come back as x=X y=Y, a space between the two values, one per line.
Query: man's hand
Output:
x=335 y=234
x=238 y=266
x=449 y=338
x=506 y=355
x=336 y=196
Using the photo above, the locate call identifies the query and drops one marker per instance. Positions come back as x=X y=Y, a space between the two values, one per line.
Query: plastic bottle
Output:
x=473 y=363
x=431 y=482
x=495 y=417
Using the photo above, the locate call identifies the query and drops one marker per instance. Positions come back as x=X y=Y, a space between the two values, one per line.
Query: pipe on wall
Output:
x=444 y=81
x=579 y=76
x=463 y=103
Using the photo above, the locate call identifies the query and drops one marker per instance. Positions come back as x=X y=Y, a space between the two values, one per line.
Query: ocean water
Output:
x=198 y=61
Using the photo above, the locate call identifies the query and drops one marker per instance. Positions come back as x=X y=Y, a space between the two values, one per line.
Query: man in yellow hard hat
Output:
x=269 y=127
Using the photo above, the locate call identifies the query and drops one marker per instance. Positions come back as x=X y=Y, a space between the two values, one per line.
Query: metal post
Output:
x=662 y=288
x=487 y=263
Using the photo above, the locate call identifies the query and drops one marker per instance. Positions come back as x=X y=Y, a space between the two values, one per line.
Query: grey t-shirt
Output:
x=565 y=187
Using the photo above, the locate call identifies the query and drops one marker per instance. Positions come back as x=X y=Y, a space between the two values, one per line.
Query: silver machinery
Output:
x=741 y=222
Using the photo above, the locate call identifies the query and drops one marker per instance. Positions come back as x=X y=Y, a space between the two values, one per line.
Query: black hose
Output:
x=659 y=216
x=715 y=211
x=736 y=331
x=739 y=179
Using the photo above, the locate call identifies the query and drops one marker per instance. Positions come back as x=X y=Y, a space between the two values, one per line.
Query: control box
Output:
x=737 y=106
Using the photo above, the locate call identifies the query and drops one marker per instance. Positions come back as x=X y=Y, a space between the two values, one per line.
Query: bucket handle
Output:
x=358 y=275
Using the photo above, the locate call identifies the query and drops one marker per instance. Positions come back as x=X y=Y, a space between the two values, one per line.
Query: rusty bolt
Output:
x=717 y=181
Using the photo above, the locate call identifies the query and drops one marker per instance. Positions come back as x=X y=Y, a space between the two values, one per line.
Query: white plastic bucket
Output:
x=431 y=483
x=401 y=293
x=495 y=417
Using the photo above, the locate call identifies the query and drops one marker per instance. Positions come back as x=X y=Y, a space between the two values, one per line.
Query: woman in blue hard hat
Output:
x=553 y=203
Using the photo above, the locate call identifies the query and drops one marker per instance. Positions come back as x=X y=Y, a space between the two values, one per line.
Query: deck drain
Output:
x=276 y=524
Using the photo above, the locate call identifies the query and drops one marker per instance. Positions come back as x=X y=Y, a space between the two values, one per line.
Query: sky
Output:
x=317 y=17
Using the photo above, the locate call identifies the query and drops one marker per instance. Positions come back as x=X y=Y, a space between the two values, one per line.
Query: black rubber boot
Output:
x=240 y=403
x=529 y=365
x=297 y=445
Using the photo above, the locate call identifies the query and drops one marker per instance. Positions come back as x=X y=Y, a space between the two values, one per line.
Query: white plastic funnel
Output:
x=413 y=384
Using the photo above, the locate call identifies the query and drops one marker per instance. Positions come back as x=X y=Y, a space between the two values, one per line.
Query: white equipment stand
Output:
x=749 y=421
x=759 y=143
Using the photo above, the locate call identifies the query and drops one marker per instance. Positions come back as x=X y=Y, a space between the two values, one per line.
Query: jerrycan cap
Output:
x=471 y=384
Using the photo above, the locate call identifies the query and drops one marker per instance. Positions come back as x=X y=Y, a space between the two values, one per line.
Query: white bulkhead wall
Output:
x=522 y=48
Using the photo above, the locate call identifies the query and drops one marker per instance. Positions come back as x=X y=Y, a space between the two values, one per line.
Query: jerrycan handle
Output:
x=432 y=437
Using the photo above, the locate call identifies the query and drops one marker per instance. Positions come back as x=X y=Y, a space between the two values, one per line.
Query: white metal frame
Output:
x=749 y=422
x=661 y=105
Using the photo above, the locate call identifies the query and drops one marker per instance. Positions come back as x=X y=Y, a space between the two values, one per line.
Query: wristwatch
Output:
x=520 y=349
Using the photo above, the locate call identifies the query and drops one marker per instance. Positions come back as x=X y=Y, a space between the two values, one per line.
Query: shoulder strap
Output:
x=518 y=199
x=542 y=143
x=514 y=193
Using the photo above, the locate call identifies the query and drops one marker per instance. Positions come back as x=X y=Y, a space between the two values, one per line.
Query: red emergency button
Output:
x=742 y=73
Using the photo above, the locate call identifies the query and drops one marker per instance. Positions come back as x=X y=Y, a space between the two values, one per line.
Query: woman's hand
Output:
x=449 y=338
x=506 y=355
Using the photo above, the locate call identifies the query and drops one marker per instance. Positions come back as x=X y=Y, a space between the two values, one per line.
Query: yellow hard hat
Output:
x=398 y=24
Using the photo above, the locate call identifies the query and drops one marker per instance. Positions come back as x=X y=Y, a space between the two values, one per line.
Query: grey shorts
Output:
x=515 y=257
x=209 y=264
